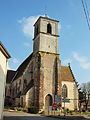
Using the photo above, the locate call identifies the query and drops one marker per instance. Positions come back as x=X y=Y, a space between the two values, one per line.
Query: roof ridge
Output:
x=64 y=66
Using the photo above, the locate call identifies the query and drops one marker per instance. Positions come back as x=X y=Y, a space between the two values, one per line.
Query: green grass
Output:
x=85 y=113
x=78 y=113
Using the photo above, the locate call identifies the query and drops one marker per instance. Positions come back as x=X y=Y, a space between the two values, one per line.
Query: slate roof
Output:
x=18 y=95
x=10 y=74
x=67 y=74
x=30 y=85
x=22 y=67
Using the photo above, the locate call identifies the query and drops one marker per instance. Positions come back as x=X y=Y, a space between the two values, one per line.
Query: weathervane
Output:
x=46 y=11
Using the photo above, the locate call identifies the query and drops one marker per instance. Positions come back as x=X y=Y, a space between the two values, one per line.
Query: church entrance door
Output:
x=48 y=101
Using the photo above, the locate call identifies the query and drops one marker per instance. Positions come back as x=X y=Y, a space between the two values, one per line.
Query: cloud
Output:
x=26 y=44
x=15 y=61
x=27 y=25
x=12 y=65
x=79 y=58
x=8 y=67
x=86 y=65
x=83 y=61
x=66 y=61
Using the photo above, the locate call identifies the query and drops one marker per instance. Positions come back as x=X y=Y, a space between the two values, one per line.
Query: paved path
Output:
x=24 y=116
x=27 y=116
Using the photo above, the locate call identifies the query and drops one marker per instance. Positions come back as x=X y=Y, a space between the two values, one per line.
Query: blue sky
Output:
x=16 y=31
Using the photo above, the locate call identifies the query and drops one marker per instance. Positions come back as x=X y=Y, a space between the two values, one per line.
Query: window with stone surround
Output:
x=64 y=91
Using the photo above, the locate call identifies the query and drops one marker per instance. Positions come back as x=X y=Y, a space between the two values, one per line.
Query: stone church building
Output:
x=41 y=77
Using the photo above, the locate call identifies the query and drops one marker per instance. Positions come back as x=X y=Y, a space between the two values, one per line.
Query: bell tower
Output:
x=46 y=62
x=46 y=35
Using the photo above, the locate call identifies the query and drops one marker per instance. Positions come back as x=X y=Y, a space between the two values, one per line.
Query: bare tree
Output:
x=85 y=88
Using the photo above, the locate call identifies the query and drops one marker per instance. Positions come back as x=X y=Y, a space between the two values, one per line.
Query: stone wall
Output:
x=43 y=26
x=44 y=41
x=72 y=93
x=36 y=77
x=16 y=86
x=3 y=71
x=7 y=91
x=49 y=78
x=30 y=97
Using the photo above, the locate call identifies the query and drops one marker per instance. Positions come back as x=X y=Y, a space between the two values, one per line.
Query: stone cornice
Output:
x=46 y=19
x=46 y=34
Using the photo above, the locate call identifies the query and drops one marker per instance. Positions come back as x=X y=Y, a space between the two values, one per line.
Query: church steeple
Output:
x=46 y=35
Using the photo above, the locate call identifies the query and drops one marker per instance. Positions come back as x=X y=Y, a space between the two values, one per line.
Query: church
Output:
x=41 y=80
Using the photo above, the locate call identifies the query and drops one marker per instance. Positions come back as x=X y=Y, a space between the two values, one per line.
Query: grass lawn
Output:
x=78 y=113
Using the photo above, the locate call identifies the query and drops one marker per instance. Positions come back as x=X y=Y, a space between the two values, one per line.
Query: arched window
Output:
x=49 y=28
x=20 y=82
x=25 y=83
x=36 y=31
x=64 y=91
x=16 y=88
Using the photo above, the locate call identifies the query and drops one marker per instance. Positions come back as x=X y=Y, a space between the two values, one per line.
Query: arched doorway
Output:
x=48 y=101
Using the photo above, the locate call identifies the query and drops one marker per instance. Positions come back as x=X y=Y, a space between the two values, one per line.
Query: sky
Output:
x=16 y=31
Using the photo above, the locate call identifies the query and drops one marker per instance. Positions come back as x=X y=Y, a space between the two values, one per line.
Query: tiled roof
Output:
x=22 y=67
x=10 y=74
x=67 y=74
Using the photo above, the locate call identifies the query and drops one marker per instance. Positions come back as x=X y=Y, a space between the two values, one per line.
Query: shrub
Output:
x=19 y=108
x=33 y=109
x=24 y=109
x=67 y=110
x=71 y=112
